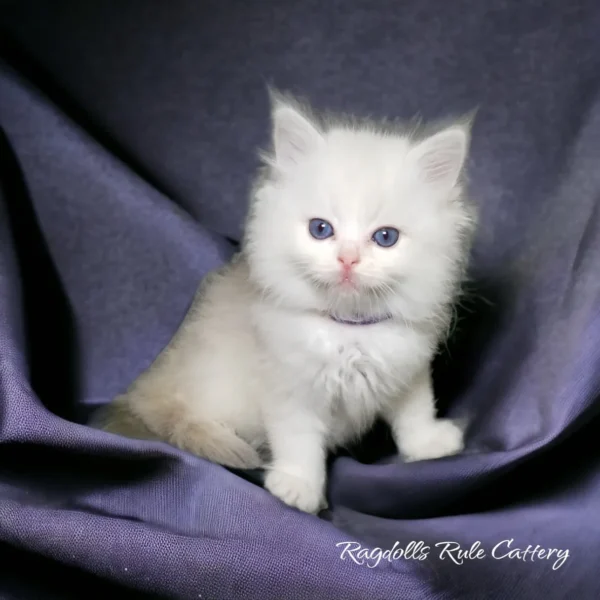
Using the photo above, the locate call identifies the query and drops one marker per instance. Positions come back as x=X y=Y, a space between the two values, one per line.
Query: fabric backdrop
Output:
x=129 y=136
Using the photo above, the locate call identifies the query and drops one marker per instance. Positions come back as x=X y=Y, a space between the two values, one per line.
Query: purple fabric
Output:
x=128 y=137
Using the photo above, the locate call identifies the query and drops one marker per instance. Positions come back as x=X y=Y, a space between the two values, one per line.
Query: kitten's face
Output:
x=355 y=223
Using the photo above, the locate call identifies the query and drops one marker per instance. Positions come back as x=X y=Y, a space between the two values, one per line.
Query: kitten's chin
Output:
x=327 y=295
x=346 y=301
x=355 y=290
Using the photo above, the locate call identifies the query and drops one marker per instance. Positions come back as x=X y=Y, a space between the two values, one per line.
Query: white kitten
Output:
x=355 y=246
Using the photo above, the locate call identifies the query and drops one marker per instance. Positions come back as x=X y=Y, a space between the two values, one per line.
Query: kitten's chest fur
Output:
x=347 y=373
x=356 y=381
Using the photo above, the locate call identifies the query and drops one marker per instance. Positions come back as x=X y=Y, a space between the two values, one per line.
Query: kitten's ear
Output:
x=441 y=157
x=294 y=136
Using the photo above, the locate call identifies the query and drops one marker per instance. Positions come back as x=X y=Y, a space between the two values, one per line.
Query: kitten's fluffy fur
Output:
x=259 y=361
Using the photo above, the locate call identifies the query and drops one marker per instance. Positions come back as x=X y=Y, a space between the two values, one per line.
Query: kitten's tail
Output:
x=209 y=440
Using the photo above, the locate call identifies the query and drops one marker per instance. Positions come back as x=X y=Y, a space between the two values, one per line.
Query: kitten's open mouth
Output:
x=344 y=286
x=346 y=283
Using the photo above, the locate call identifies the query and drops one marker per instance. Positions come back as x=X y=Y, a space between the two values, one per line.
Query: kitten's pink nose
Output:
x=348 y=260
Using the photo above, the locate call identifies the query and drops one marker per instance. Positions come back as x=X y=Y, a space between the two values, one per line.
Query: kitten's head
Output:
x=356 y=220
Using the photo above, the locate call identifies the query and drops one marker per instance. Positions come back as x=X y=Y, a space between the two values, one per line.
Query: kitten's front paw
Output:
x=434 y=440
x=296 y=491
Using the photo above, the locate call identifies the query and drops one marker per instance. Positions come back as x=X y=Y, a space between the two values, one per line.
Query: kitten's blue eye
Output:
x=386 y=237
x=320 y=229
